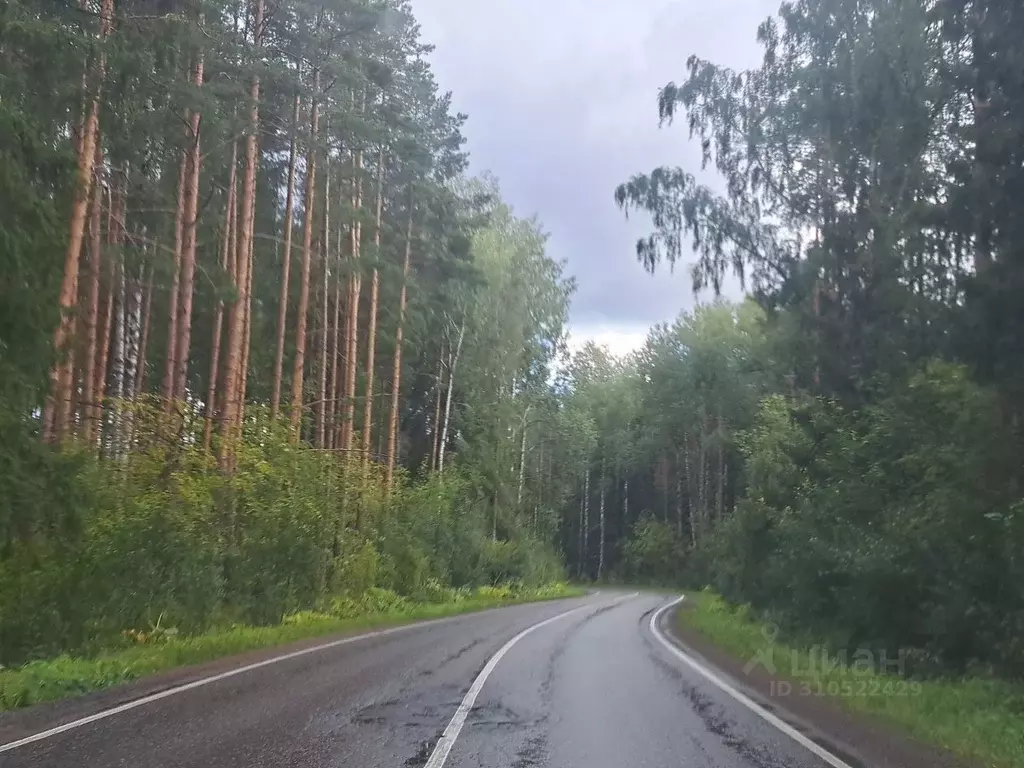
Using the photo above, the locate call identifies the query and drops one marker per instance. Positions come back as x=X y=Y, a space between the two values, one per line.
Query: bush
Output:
x=161 y=535
x=496 y=592
x=654 y=554
x=896 y=526
x=434 y=592
x=523 y=561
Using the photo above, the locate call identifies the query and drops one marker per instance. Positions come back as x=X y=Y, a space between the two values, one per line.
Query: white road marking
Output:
x=217 y=678
x=742 y=698
x=451 y=733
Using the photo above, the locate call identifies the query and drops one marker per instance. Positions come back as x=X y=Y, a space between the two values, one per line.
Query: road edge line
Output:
x=451 y=732
x=742 y=698
x=203 y=681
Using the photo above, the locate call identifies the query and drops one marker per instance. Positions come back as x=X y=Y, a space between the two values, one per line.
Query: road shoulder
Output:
x=857 y=738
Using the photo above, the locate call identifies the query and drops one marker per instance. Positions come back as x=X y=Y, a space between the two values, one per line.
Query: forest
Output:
x=264 y=344
x=264 y=340
x=842 y=450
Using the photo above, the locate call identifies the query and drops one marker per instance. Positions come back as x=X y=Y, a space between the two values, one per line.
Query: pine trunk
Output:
x=236 y=327
x=346 y=343
x=172 y=319
x=336 y=336
x=243 y=372
x=91 y=410
x=351 y=364
x=227 y=246
x=53 y=425
x=396 y=376
x=307 y=246
x=325 y=324
x=182 y=348
x=381 y=423
x=147 y=311
x=371 y=334
x=286 y=262
x=243 y=368
x=103 y=353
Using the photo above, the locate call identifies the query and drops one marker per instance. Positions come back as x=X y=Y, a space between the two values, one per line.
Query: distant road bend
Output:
x=586 y=683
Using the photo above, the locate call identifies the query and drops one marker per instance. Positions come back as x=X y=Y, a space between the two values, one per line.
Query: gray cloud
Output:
x=561 y=98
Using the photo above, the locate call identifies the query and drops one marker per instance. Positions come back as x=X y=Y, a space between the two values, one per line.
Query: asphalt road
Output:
x=592 y=689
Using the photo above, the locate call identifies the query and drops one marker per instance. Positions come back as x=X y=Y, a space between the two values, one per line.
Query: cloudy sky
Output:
x=561 y=98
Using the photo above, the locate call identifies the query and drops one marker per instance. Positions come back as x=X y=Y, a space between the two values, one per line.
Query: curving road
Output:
x=592 y=688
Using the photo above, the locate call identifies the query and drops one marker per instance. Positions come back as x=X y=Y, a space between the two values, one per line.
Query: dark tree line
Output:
x=842 y=451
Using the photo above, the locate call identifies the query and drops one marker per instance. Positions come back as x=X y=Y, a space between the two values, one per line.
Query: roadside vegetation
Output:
x=160 y=647
x=266 y=351
x=977 y=719
x=842 y=451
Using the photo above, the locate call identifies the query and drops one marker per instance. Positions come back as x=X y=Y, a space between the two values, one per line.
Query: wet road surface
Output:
x=591 y=689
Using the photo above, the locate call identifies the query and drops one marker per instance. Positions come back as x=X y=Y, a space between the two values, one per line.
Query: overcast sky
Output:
x=561 y=97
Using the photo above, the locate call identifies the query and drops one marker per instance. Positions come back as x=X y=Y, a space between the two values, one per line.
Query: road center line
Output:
x=451 y=733
x=141 y=702
x=742 y=698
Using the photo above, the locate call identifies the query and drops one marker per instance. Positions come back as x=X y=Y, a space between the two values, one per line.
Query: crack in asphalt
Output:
x=423 y=753
x=711 y=714
x=454 y=657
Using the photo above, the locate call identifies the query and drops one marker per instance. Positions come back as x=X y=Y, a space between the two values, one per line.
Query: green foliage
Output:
x=896 y=525
x=976 y=718
x=523 y=562
x=65 y=676
x=162 y=538
x=849 y=461
x=654 y=554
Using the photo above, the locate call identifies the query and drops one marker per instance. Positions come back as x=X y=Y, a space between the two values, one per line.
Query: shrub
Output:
x=161 y=535
x=896 y=526
x=654 y=553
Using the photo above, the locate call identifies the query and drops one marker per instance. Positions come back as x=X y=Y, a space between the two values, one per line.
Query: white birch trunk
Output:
x=586 y=519
x=600 y=556
x=117 y=366
x=133 y=338
x=679 y=499
x=522 y=460
x=625 y=503
x=689 y=488
x=583 y=502
x=453 y=362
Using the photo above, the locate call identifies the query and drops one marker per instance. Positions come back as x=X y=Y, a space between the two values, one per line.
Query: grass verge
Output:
x=980 y=720
x=67 y=676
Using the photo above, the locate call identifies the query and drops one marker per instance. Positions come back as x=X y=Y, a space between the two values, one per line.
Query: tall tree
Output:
x=286 y=261
x=307 y=244
x=236 y=350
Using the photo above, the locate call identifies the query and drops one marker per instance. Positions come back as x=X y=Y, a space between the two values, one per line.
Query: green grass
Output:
x=67 y=676
x=980 y=720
